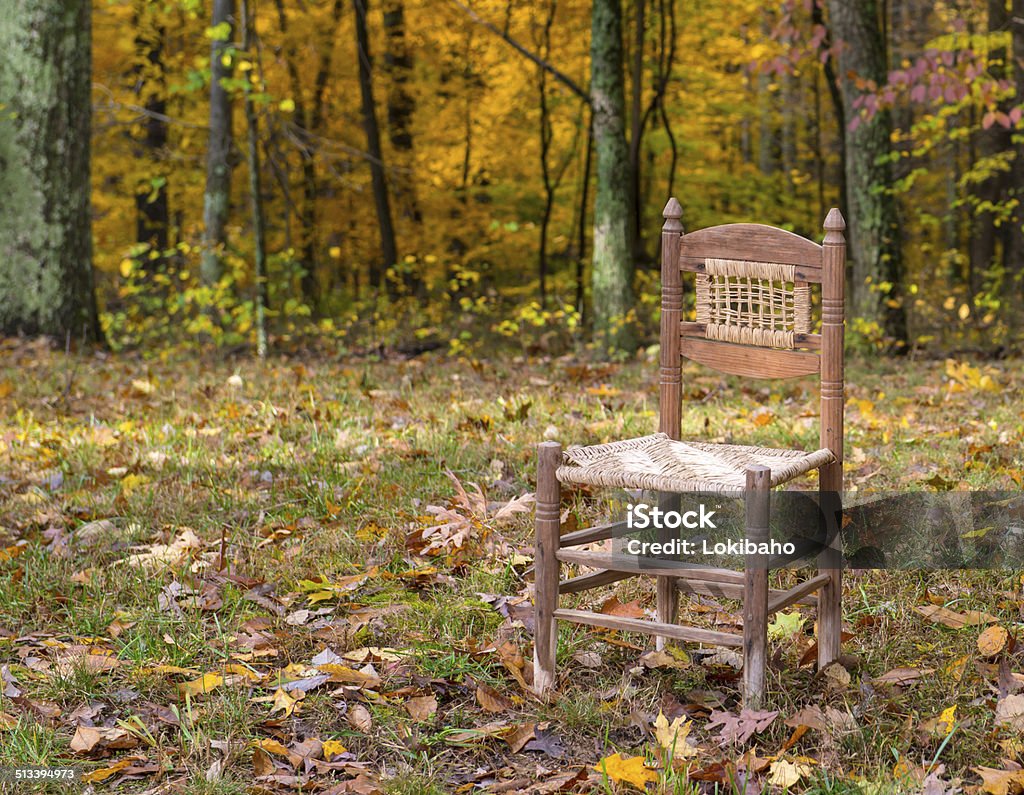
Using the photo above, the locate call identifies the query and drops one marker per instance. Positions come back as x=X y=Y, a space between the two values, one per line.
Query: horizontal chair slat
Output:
x=690 y=329
x=750 y=361
x=753 y=242
x=635 y=564
x=797 y=593
x=585 y=582
x=692 y=634
x=591 y=534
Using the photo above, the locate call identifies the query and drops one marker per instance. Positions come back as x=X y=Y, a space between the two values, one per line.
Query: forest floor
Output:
x=236 y=577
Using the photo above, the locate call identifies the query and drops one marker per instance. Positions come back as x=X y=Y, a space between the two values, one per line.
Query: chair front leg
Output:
x=666 y=589
x=830 y=607
x=546 y=566
x=755 y=587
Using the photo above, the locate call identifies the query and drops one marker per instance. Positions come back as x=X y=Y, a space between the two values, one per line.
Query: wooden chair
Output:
x=753 y=304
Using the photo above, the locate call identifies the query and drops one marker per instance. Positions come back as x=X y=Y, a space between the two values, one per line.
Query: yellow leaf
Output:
x=285 y=702
x=287 y=105
x=126 y=267
x=204 y=684
x=632 y=770
x=787 y=774
x=964 y=312
x=333 y=748
x=271 y=747
x=335 y=252
x=106 y=772
x=946 y=719
x=992 y=641
x=1001 y=782
x=673 y=736
x=131 y=483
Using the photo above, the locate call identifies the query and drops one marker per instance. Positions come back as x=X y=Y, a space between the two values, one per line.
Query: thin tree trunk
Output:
x=581 y=243
x=1015 y=238
x=546 y=136
x=875 y=249
x=612 y=271
x=217 y=198
x=46 y=282
x=152 y=216
x=637 y=120
x=255 y=188
x=829 y=70
x=389 y=251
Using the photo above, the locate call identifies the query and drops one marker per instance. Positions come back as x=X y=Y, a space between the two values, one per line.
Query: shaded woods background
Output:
x=424 y=173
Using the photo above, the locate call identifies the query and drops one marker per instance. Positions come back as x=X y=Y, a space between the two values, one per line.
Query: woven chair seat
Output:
x=659 y=463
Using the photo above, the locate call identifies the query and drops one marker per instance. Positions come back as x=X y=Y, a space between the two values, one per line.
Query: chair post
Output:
x=755 y=587
x=670 y=378
x=546 y=566
x=830 y=614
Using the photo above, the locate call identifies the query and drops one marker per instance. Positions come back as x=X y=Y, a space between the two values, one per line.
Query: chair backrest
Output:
x=753 y=299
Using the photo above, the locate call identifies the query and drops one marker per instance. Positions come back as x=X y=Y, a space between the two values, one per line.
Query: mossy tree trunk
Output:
x=612 y=272
x=46 y=283
x=217 y=198
x=873 y=219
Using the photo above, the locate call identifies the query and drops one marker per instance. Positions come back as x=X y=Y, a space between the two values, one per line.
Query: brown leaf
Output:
x=737 y=729
x=1001 y=782
x=953 y=620
x=88 y=739
x=519 y=736
x=491 y=700
x=613 y=607
x=811 y=717
x=359 y=718
x=421 y=707
x=1010 y=712
x=902 y=676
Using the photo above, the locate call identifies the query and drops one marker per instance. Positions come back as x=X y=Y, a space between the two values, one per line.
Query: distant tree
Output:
x=45 y=229
x=388 y=249
x=217 y=198
x=612 y=275
x=873 y=221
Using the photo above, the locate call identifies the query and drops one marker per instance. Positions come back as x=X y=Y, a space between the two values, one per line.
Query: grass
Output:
x=326 y=469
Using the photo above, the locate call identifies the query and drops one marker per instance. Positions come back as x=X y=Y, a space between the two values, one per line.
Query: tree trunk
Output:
x=1015 y=238
x=152 y=216
x=217 y=198
x=46 y=283
x=828 y=68
x=875 y=244
x=255 y=188
x=990 y=142
x=612 y=270
x=637 y=118
x=388 y=249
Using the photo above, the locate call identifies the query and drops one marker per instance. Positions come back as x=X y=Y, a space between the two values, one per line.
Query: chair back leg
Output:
x=666 y=589
x=546 y=566
x=755 y=588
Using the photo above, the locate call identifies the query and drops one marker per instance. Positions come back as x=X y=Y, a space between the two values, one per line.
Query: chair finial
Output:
x=673 y=212
x=834 y=221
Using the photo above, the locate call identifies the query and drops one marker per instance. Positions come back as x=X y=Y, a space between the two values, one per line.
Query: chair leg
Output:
x=755 y=588
x=546 y=566
x=665 y=588
x=830 y=608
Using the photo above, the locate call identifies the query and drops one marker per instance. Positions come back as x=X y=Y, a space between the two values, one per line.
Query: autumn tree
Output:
x=217 y=198
x=874 y=234
x=45 y=226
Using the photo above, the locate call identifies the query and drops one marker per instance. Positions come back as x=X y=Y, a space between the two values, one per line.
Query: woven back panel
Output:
x=755 y=303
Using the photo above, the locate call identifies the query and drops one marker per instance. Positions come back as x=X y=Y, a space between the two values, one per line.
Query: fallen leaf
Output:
x=92 y=738
x=992 y=641
x=902 y=676
x=491 y=700
x=787 y=774
x=359 y=718
x=673 y=736
x=812 y=717
x=785 y=625
x=587 y=659
x=333 y=748
x=953 y=620
x=632 y=770
x=369 y=654
x=613 y=607
x=518 y=736
x=1001 y=782
x=421 y=707
x=1010 y=712
x=204 y=684
x=660 y=658
x=740 y=728
x=104 y=773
